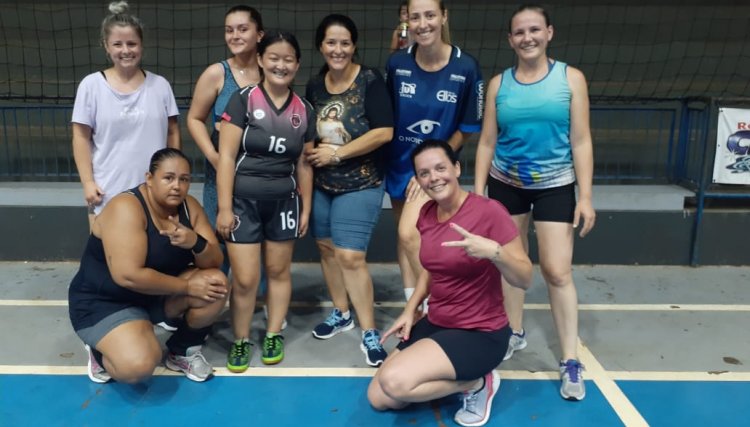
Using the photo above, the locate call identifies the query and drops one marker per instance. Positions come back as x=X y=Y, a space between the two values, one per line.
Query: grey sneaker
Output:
x=478 y=404
x=96 y=372
x=517 y=342
x=194 y=364
x=572 y=386
x=265 y=316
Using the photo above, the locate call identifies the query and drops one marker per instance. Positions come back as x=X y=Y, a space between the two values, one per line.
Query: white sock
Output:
x=346 y=315
x=408 y=292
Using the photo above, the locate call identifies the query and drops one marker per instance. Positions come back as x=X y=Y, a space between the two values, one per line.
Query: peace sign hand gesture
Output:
x=475 y=246
x=179 y=235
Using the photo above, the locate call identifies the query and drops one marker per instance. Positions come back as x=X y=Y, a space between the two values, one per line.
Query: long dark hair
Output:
x=329 y=21
x=277 y=36
x=254 y=15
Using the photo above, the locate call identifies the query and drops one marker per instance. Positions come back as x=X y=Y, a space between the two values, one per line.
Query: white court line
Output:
x=611 y=391
x=401 y=304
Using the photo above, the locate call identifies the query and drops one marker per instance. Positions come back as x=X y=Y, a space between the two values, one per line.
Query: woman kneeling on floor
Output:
x=468 y=242
x=151 y=256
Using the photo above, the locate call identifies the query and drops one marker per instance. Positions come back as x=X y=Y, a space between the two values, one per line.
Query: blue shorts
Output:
x=347 y=218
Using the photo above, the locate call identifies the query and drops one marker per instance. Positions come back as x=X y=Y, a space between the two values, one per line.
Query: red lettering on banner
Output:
x=741 y=125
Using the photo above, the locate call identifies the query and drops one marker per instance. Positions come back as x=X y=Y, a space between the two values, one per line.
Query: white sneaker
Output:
x=265 y=316
x=96 y=372
x=515 y=343
x=478 y=404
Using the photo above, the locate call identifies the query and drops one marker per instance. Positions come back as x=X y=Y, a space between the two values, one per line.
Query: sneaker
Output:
x=193 y=364
x=478 y=404
x=265 y=316
x=167 y=326
x=572 y=386
x=374 y=352
x=273 y=350
x=238 y=359
x=517 y=342
x=96 y=372
x=334 y=324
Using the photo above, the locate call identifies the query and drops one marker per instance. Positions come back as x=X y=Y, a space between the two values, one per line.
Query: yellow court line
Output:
x=400 y=304
x=614 y=395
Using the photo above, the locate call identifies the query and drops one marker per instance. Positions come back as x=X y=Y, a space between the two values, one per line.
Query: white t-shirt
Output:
x=126 y=129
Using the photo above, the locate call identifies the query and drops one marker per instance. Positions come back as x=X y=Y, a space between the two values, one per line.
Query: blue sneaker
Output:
x=572 y=386
x=374 y=352
x=334 y=324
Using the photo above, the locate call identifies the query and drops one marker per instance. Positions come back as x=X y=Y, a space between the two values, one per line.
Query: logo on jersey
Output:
x=457 y=78
x=447 y=96
x=296 y=120
x=403 y=73
x=480 y=99
x=236 y=223
x=259 y=114
x=424 y=127
x=407 y=90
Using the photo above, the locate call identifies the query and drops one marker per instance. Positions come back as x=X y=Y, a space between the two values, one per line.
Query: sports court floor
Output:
x=662 y=346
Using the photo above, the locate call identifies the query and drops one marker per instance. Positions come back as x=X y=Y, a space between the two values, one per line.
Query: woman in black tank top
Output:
x=152 y=256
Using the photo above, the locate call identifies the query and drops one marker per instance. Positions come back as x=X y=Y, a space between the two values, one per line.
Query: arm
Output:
x=211 y=256
x=229 y=144
x=173 y=133
x=458 y=138
x=403 y=324
x=583 y=151
x=371 y=140
x=204 y=95
x=82 y=156
x=487 y=139
x=305 y=180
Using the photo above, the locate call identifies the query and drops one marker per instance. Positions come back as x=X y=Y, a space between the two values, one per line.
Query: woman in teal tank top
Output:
x=534 y=147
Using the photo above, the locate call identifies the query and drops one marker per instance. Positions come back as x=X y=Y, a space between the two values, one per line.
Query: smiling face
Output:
x=529 y=35
x=337 y=47
x=426 y=20
x=124 y=47
x=170 y=181
x=436 y=174
x=241 y=33
x=279 y=63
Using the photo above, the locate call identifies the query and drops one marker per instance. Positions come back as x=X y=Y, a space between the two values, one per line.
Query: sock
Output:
x=187 y=337
x=241 y=340
x=408 y=292
x=475 y=390
x=271 y=334
x=346 y=315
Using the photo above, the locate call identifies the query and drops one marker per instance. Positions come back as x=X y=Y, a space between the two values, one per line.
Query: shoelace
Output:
x=239 y=350
x=272 y=343
x=372 y=341
x=333 y=318
x=573 y=369
x=470 y=401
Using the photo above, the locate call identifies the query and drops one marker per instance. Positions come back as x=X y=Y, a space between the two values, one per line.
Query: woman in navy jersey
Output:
x=437 y=93
x=151 y=256
x=468 y=242
x=534 y=147
x=265 y=190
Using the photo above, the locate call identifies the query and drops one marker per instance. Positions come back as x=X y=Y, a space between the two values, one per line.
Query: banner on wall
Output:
x=732 y=161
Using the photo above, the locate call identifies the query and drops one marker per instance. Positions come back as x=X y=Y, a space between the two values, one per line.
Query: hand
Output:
x=401 y=327
x=584 y=211
x=322 y=155
x=304 y=222
x=92 y=193
x=413 y=190
x=207 y=287
x=225 y=223
x=475 y=246
x=179 y=235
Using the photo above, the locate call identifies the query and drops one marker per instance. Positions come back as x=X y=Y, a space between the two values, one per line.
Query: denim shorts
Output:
x=347 y=218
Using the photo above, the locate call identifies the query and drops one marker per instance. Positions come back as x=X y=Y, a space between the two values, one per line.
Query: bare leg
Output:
x=515 y=297
x=130 y=352
x=278 y=258
x=245 y=262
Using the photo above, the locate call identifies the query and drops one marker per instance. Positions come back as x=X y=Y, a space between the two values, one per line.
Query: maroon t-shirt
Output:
x=465 y=292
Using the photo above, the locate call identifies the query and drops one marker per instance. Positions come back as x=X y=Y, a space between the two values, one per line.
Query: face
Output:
x=279 y=63
x=124 y=47
x=426 y=21
x=337 y=47
x=403 y=14
x=170 y=182
x=332 y=113
x=529 y=35
x=435 y=173
x=241 y=33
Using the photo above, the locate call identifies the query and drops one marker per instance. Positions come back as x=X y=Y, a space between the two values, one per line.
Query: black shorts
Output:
x=472 y=353
x=556 y=204
x=258 y=220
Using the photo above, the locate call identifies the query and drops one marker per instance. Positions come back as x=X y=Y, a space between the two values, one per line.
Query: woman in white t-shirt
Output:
x=121 y=115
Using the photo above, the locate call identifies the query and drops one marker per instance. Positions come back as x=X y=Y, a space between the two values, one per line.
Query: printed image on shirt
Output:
x=331 y=129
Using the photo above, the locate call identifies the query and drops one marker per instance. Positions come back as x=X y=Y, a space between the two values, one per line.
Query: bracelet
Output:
x=496 y=257
x=335 y=159
x=200 y=244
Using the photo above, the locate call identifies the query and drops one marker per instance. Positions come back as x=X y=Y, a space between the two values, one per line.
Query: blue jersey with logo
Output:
x=429 y=105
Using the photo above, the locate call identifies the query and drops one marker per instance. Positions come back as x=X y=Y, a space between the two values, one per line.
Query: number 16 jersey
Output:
x=272 y=141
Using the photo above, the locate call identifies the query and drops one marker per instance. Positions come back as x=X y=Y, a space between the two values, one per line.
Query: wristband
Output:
x=200 y=244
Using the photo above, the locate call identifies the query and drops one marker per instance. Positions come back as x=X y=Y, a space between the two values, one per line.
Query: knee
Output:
x=351 y=260
x=245 y=285
x=377 y=397
x=393 y=384
x=134 y=370
x=326 y=249
x=557 y=277
x=277 y=271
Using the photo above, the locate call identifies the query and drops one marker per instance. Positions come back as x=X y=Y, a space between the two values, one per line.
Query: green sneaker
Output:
x=238 y=359
x=273 y=350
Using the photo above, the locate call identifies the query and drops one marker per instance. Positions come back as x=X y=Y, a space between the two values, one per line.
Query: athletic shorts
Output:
x=258 y=220
x=472 y=353
x=557 y=204
x=153 y=312
x=347 y=218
